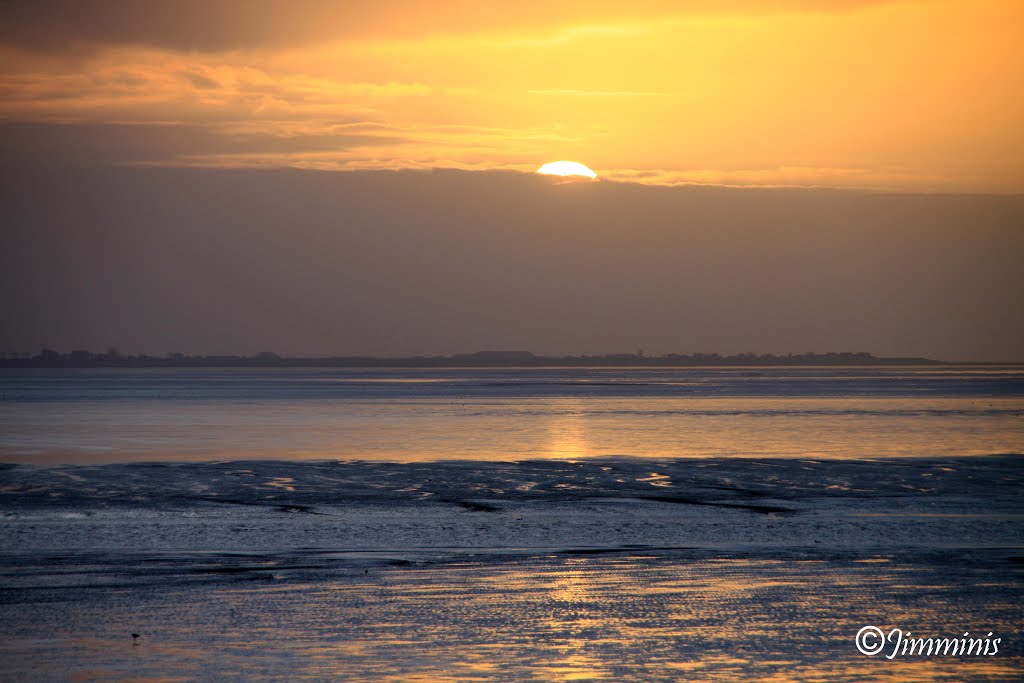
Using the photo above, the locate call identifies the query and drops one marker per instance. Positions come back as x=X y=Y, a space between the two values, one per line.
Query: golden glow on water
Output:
x=504 y=429
x=630 y=618
x=567 y=434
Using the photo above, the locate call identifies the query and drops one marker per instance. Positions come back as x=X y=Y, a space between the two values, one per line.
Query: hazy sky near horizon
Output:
x=231 y=176
x=436 y=262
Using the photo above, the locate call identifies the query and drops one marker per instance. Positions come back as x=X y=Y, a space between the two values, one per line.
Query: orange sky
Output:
x=922 y=96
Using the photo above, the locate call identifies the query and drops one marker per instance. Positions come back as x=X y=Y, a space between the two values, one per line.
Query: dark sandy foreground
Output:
x=617 y=570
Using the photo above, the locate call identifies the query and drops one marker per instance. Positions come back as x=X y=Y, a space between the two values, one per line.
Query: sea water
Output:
x=508 y=525
x=102 y=415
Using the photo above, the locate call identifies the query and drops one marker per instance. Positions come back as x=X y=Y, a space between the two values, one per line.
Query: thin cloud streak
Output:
x=224 y=25
x=596 y=93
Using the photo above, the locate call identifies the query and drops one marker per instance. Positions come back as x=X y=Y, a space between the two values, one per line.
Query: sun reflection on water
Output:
x=611 y=617
x=567 y=434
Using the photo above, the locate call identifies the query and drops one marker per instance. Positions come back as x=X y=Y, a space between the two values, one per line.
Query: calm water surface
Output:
x=406 y=415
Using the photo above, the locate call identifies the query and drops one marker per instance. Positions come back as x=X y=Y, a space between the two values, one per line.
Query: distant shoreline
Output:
x=481 y=359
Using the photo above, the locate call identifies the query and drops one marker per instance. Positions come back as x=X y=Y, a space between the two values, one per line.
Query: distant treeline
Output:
x=48 y=358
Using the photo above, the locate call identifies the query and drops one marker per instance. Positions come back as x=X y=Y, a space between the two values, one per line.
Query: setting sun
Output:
x=566 y=168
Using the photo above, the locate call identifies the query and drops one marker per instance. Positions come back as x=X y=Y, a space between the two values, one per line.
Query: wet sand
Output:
x=640 y=615
x=615 y=569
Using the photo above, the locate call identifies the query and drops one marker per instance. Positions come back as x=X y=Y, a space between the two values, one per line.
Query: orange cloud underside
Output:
x=908 y=95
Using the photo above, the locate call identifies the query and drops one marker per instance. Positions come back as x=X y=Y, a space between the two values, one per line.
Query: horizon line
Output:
x=113 y=358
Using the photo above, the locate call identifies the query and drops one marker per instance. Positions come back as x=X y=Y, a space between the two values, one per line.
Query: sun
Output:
x=566 y=168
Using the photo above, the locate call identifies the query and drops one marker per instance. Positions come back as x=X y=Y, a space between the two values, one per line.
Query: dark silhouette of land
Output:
x=47 y=358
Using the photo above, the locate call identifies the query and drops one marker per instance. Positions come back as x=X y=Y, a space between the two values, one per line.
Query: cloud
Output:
x=413 y=147
x=199 y=80
x=805 y=175
x=568 y=92
x=24 y=144
x=147 y=85
x=370 y=145
x=653 y=93
x=218 y=25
